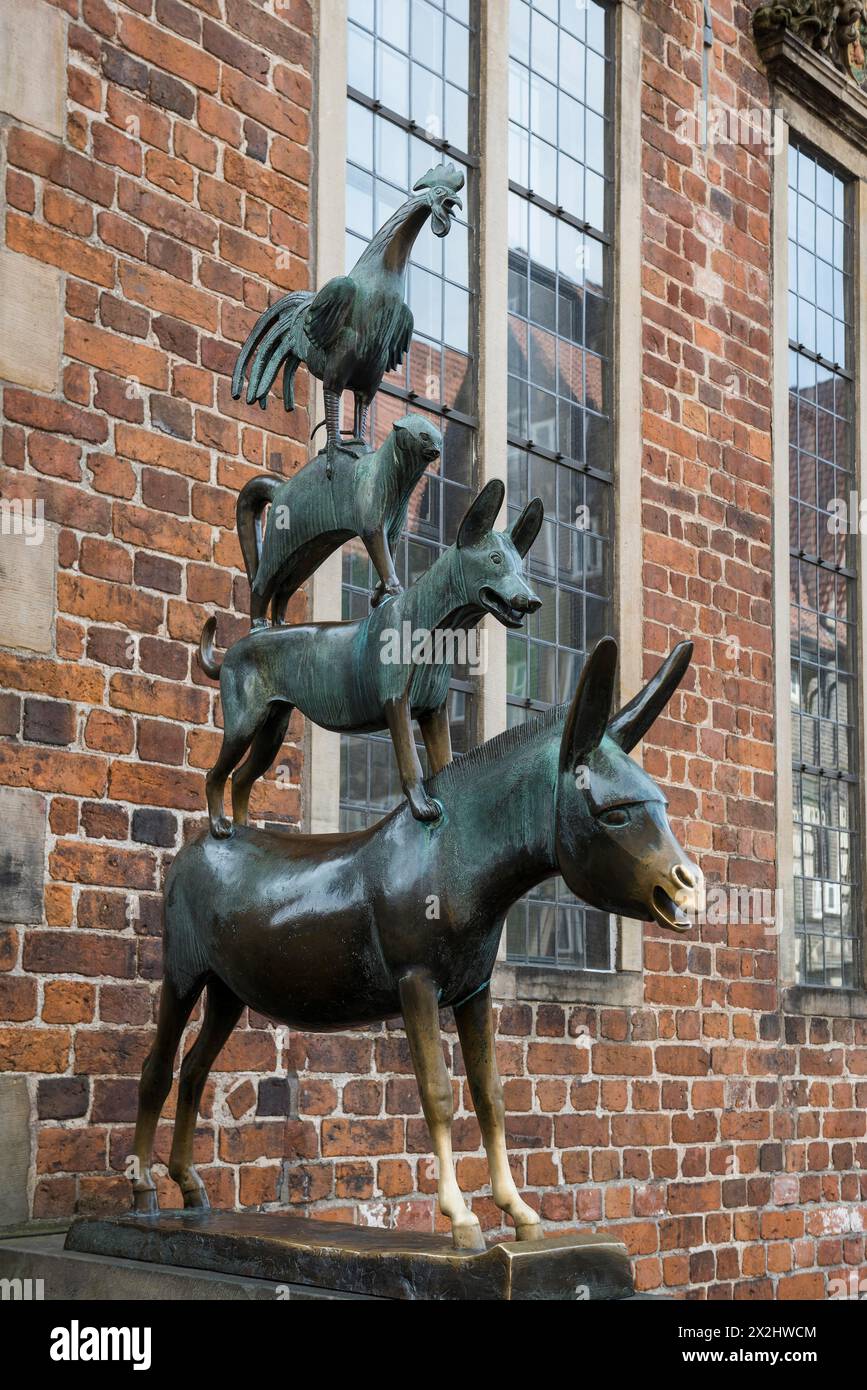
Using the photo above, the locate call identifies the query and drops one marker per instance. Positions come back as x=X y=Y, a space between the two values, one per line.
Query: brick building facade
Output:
x=160 y=186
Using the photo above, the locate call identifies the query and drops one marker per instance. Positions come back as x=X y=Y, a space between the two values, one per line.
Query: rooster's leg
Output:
x=332 y=429
x=360 y=424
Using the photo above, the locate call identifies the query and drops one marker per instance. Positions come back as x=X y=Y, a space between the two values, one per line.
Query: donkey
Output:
x=357 y=677
x=308 y=521
x=328 y=932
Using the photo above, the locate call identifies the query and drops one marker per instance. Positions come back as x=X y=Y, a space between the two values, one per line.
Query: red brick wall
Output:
x=176 y=203
x=723 y=1140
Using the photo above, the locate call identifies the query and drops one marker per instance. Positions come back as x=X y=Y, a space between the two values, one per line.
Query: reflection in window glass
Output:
x=416 y=58
x=823 y=561
x=559 y=394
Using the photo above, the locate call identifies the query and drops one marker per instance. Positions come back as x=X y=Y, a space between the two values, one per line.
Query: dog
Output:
x=346 y=676
x=309 y=518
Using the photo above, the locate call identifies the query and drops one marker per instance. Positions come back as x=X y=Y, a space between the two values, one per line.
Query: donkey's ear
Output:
x=591 y=705
x=481 y=514
x=525 y=529
x=629 y=726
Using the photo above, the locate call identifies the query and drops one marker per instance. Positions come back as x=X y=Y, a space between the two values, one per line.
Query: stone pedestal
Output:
x=293 y=1254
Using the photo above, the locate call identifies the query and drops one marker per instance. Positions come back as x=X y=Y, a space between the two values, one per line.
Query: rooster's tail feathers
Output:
x=275 y=322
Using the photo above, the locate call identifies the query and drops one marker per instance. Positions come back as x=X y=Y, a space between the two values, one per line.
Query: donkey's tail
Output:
x=207 y=659
x=252 y=501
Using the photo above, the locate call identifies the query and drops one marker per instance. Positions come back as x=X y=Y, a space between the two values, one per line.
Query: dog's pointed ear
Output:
x=481 y=514
x=590 y=709
x=631 y=724
x=524 y=530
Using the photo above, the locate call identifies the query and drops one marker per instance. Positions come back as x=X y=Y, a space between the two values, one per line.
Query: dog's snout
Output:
x=528 y=603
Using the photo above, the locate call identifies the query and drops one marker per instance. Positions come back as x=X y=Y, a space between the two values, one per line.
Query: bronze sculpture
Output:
x=356 y=328
x=307 y=521
x=330 y=931
x=348 y=677
x=327 y=932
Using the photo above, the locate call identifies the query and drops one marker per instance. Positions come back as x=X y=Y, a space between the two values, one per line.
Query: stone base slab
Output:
x=34 y=1268
x=327 y=1258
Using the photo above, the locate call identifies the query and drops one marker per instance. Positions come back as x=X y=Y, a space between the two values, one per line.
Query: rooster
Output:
x=356 y=328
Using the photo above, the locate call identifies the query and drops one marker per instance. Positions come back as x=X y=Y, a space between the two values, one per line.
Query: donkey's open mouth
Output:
x=667 y=913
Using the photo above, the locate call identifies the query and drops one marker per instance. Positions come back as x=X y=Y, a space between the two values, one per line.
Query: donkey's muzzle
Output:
x=675 y=909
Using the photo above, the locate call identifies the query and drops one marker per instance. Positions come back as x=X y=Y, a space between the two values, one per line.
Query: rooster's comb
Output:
x=444 y=175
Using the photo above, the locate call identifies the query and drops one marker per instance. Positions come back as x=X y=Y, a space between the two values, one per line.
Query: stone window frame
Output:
x=624 y=985
x=803 y=115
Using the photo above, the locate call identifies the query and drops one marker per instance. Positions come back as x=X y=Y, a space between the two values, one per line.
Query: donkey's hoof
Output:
x=528 y=1230
x=221 y=827
x=468 y=1236
x=144 y=1201
x=196 y=1201
x=192 y=1190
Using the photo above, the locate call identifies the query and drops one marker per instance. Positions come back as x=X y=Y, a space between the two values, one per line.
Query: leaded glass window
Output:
x=411 y=104
x=559 y=400
x=823 y=560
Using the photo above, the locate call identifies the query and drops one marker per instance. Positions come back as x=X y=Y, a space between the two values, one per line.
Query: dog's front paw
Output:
x=423 y=807
x=384 y=591
x=222 y=828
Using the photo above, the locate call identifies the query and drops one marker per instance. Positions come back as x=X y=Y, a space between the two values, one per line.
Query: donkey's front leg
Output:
x=476 y=1031
x=420 y=1005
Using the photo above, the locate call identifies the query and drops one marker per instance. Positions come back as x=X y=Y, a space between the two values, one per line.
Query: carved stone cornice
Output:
x=797 y=63
x=835 y=28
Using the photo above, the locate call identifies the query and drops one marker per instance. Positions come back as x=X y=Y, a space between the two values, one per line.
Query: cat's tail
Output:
x=207 y=658
x=252 y=501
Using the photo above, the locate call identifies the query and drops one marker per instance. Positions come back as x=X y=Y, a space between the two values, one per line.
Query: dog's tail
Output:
x=252 y=501
x=207 y=660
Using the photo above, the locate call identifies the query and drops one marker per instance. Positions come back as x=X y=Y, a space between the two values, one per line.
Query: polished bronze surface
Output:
x=362 y=1259
x=404 y=918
